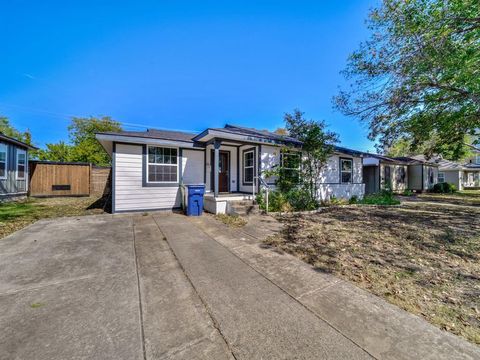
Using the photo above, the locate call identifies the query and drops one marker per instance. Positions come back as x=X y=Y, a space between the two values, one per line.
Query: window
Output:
x=290 y=163
x=387 y=178
x=162 y=165
x=477 y=159
x=346 y=170
x=441 y=177
x=3 y=161
x=21 y=164
x=401 y=175
x=430 y=176
x=248 y=166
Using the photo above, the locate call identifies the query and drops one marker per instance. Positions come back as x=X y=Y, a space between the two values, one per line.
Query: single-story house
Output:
x=380 y=171
x=422 y=173
x=14 y=172
x=464 y=175
x=150 y=167
x=400 y=173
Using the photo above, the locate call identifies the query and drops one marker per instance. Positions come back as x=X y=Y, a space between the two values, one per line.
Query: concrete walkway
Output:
x=172 y=287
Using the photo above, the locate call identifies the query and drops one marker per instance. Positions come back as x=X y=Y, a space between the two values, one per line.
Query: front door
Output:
x=223 y=170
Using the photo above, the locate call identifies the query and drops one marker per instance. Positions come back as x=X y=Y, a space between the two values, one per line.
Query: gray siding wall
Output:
x=130 y=194
x=454 y=177
x=10 y=185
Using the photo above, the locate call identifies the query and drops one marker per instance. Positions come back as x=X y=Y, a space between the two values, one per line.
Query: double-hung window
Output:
x=3 y=161
x=346 y=170
x=248 y=166
x=441 y=177
x=290 y=162
x=162 y=165
x=21 y=164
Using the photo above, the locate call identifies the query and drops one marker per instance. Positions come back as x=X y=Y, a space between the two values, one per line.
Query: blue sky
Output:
x=177 y=64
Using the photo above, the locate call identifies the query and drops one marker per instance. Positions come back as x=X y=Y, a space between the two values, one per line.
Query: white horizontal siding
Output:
x=129 y=193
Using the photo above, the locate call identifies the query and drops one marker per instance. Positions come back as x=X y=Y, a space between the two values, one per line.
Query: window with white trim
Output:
x=248 y=166
x=21 y=164
x=477 y=159
x=346 y=170
x=162 y=165
x=290 y=163
x=3 y=161
x=441 y=177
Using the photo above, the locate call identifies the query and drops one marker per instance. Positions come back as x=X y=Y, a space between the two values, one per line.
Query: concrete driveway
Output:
x=171 y=287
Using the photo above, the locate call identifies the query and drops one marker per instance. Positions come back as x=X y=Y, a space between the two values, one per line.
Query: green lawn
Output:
x=16 y=215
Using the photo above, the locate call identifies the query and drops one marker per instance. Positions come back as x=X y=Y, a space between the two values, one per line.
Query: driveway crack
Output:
x=140 y=308
x=205 y=305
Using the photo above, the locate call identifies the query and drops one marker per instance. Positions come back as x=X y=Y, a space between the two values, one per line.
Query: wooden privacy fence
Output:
x=67 y=179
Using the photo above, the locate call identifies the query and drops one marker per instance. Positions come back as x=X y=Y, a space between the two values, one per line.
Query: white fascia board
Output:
x=148 y=141
x=240 y=138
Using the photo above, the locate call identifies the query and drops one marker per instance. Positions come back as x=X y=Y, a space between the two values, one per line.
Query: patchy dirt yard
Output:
x=466 y=197
x=16 y=215
x=422 y=257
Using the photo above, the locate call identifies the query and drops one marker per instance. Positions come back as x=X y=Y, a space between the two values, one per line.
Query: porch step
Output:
x=242 y=208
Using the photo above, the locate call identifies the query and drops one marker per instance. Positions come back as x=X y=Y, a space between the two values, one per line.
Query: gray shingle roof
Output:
x=156 y=134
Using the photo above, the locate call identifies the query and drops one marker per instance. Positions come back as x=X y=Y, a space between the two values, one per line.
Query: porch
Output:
x=230 y=203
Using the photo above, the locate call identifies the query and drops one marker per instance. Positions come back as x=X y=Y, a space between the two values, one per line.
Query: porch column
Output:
x=216 y=161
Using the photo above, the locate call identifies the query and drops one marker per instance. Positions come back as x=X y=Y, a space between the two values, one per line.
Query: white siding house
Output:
x=150 y=168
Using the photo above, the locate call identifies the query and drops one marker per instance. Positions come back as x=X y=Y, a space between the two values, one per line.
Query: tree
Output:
x=300 y=170
x=417 y=77
x=7 y=129
x=85 y=147
x=56 y=152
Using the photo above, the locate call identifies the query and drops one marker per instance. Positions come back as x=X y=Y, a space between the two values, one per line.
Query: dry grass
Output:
x=231 y=220
x=466 y=197
x=16 y=215
x=422 y=257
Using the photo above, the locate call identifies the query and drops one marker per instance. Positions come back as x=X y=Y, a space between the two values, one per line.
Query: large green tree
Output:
x=418 y=76
x=56 y=152
x=7 y=129
x=83 y=146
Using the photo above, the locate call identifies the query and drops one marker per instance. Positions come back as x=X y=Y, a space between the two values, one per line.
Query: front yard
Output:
x=16 y=215
x=422 y=257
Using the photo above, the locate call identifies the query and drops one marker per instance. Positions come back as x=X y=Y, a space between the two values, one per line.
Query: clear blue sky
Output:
x=177 y=64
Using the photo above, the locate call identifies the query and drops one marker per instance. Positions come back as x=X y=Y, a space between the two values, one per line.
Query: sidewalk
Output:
x=383 y=330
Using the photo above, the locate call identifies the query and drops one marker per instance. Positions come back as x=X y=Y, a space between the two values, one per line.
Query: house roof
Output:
x=419 y=159
x=155 y=134
x=16 y=142
x=388 y=159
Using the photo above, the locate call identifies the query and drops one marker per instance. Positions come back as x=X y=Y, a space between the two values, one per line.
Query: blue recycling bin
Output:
x=195 y=199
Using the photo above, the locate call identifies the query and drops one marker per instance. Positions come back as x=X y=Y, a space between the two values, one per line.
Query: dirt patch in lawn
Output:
x=16 y=215
x=421 y=257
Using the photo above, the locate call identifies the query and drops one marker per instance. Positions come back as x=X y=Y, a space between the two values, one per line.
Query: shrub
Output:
x=301 y=200
x=277 y=201
x=407 y=192
x=383 y=198
x=353 y=200
x=444 y=188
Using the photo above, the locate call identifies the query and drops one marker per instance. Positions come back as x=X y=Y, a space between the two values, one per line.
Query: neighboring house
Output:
x=422 y=173
x=464 y=175
x=400 y=173
x=13 y=168
x=380 y=171
x=150 y=167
